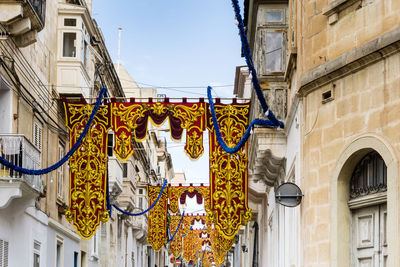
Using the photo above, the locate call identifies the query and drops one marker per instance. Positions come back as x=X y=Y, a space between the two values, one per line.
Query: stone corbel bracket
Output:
x=268 y=168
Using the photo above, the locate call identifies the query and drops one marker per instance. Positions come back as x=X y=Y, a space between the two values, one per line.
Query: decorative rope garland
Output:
x=145 y=211
x=254 y=78
x=69 y=154
x=179 y=225
x=246 y=134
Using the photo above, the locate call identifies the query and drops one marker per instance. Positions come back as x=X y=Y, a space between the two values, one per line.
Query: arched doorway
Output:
x=367 y=202
x=344 y=207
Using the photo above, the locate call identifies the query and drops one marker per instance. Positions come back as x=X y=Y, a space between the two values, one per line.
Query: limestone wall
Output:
x=362 y=21
x=367 y=101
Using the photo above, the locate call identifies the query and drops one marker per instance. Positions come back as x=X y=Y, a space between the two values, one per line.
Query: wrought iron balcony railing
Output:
x=19 y=150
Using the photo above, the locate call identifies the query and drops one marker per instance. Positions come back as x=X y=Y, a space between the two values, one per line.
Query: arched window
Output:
x=369 y=176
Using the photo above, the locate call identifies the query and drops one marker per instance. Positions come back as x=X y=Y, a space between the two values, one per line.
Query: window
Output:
x=140 y=203
x=69 y=44
x=85 y=52
x=60 y=172
x=3 y=253
x=95 y=243
x=37 y=134
x=59 y=252
x=369 y=176
x=272 y=36
x=140 y=191
x=274 y=16
x=124 y=169
x=110 y=144
x=76 y=255
x=274 y=51
x=36 y=254
x=70 y=22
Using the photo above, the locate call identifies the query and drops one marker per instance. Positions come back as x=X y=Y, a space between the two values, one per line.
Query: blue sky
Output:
x=175 y=43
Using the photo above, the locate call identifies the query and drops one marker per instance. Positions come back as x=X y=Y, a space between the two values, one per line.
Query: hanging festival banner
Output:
x=87 y=168
x=179 y=193
x=229 y=172
x=128 y=117
x=157 y=223
x=216 y=248
x=175 y=246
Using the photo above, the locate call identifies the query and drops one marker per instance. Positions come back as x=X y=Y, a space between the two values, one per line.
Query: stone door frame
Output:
x=339 y=196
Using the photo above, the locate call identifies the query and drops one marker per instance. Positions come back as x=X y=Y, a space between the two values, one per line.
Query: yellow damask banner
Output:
x=229 y=172
x=157 y=223
x=88 y=169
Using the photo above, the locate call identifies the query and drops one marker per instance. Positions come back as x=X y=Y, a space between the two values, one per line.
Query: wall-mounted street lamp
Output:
x=289 y=195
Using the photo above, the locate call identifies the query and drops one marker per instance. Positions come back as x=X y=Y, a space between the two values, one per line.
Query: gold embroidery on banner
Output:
x=157 y=223
x=175 y=247
x=228 y=173
x=191 y=117
x=88 y=170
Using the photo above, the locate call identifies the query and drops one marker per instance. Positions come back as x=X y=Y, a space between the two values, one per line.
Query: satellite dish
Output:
x=289 y=195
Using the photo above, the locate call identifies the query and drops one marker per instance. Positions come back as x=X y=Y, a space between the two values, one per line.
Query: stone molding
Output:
x=352 y=61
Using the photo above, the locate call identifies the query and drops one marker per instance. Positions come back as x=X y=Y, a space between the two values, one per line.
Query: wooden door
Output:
x=369 y=246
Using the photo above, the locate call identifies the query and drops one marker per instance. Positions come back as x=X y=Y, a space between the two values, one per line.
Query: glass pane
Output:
x=274 y=16
x=70 y=22
x=274 y=51
x=36 y=260
x=58 y=255
x=69 y=49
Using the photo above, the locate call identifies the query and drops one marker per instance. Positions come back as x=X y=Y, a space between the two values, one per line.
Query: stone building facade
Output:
x=330 y=71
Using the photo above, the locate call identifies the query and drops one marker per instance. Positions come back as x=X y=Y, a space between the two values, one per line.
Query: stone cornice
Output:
x=350 y=62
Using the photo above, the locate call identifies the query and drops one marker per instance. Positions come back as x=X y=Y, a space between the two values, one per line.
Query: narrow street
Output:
x=235 y=133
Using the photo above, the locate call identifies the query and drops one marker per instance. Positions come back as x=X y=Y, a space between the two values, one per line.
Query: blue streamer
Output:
x=252 y=70
x=69 y=154
x=143 y=212
x=179 y=225
x=246 y=135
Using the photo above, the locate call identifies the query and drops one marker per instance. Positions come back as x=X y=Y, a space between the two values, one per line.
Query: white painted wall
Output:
x=20 y=225
x=5 y=110
x=69 y=247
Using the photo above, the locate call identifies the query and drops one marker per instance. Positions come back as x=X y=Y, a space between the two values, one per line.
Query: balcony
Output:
x=114 y=178
x=23 y=19
x=140 y=227
x=18 y=150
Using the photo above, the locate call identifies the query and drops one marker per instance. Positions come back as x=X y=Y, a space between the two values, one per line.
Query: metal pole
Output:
x=119 y=49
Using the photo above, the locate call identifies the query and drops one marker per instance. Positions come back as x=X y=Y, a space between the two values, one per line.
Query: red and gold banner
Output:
x=175 y=246
x=228 y=172
x=133 y=117
x=179 y=193
x=157 y=223
x=225 y=200
x=88 y=169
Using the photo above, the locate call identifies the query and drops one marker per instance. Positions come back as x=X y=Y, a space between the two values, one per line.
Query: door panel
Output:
x=369 y=235
x=365 y=237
